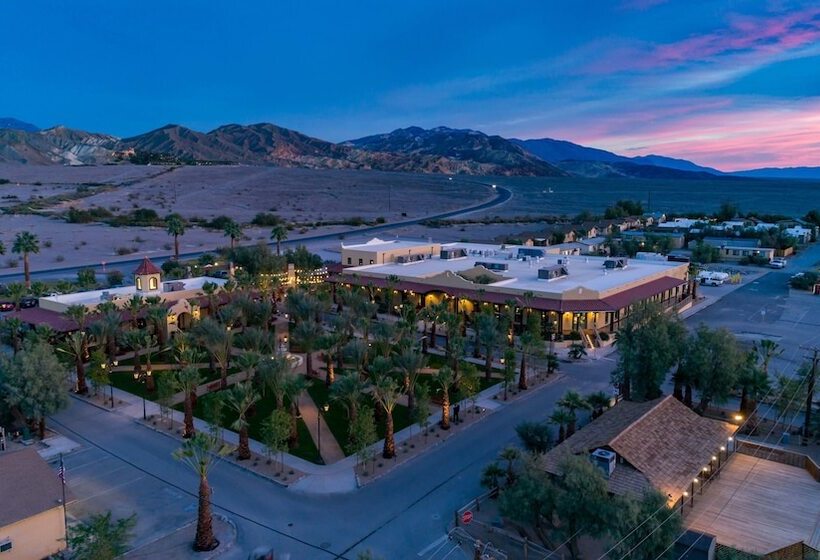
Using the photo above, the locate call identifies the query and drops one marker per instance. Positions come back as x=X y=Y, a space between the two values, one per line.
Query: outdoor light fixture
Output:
x=714 y=458
x=738 y=417
x=723 y=448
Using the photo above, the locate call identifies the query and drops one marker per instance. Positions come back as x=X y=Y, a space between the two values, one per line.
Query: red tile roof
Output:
x=147 y=267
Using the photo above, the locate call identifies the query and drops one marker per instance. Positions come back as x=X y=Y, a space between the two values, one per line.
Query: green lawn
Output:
x=164 y=357
x=125 y=380
x=264 y=408
x=336 y=415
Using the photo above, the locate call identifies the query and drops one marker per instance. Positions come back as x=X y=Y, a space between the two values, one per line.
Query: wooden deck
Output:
x=768 y=505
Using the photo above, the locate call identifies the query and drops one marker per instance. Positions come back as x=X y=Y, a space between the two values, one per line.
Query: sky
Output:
x=731 y=84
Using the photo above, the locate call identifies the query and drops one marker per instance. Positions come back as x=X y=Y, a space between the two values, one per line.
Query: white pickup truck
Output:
x=710 y=278
x=778 y=262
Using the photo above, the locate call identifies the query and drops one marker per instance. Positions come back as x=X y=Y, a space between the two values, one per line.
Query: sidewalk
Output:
x=319 y=431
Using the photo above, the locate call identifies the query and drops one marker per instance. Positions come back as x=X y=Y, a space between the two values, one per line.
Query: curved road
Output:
x=503 y=195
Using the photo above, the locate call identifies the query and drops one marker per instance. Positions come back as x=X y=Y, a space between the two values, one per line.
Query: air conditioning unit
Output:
x=604 y=460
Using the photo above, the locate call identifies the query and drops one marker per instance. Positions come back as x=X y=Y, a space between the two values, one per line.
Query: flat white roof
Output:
x=96 y=296
x=584 y=271
x=377 y=244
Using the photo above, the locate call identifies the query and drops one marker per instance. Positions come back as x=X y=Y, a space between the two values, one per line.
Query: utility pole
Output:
x=804 y=440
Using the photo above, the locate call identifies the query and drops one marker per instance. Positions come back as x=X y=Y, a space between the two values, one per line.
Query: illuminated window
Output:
x=152 y=283
x=139 y=283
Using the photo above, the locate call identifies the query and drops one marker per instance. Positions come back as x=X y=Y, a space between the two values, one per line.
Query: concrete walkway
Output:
x=328 y=447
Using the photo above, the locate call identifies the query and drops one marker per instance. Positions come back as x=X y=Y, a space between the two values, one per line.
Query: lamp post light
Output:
x=683 y=501
x=142 y=377
x=113 y=364
x=325 y=407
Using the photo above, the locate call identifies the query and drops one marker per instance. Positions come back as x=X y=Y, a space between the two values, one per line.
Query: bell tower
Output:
x=147 y=276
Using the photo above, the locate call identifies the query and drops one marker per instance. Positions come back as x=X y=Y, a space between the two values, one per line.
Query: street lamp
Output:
x=113 y=364
x=325 y=407
x=142 y=377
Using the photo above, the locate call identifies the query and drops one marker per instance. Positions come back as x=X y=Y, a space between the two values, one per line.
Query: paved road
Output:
x=767 y=308
x=127 y=465
x=502 y=196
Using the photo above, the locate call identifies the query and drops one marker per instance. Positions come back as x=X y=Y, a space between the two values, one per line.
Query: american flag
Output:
x=61 y=472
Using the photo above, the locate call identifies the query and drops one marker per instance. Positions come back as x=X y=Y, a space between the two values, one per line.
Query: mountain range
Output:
x=411 y=149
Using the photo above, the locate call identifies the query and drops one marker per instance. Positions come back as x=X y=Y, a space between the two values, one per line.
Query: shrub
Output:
x=114 y=278
x=804 y=281
x=536 y=436
x=217 y=223
x=4 y=181
x=86 y=277
x=604 y=336
x=266 y=219
x=573 y=335
x=59 y=258
x=12 y=263
x=125 y=250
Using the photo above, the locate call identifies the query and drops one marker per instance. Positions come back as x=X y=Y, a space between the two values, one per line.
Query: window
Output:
x=360 y=262
x=349 y=260
x=152 y=283
x=735 y=252
x=139 y=283
x=5 y=545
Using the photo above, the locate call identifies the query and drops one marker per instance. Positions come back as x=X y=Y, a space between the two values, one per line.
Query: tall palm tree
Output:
x=175 y=226
x=572 y=401
x=134 y=306
x=247 y=363
x=272 y=375
x=26 y=243
x=410 y=362
x=294 y=387
x=75 y=346
x=434 y=314
x=444 y=379
x=561 y=418
x=241 y=398
x=157 y=316
x=386 y=393
x=13 y=332
x=348 y=391
x=200 y=453
x=767 y=350
x=233 y=231
x=187 y=381
x=106 y=331
x=329 y=344
x=279 y=233
x=210 y=289
x=488 y=336
x=530 y=344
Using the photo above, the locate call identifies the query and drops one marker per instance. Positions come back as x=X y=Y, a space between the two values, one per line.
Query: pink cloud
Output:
x=749 y=36
x=728 y=138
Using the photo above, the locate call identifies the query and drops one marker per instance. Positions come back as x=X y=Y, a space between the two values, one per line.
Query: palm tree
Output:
x=210 y=289
x=530 y=344
x=233 y=231
x=248 y=362
x=157 y=316
x=279 y=233
x=753 y=382
x=134 y=339
x=766 y=350
x=561 y=418
x=13 y=332
x=106 y=330
x=386 y=392
x=26 y=243
x=134 y=306
x=294 y=387
x=444 y=379
x=75 y=346
x=331 y=345
x=216 y=338
x=410 y=362
x=487 y=336
x=16 y=293
x=572 y=401
x=241 y=398
x=510 y=455
x=348 y=390
x=200 y=453
x=187 y=381
x=306 y=335
x=175 y=226
x=434 y=314
x=272 y=375
x=599 y=401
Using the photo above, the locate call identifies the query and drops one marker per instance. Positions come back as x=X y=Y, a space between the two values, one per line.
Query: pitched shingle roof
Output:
x=29 y=486
x=147 y=267
x=666 y=443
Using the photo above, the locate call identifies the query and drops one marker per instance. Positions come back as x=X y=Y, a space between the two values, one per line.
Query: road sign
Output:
x=467 y=517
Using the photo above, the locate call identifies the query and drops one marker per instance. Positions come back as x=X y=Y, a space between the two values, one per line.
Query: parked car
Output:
x=6 y=306
x=29 y=302
x=778 y=262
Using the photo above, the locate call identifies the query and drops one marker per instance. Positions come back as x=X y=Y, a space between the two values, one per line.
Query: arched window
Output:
x=152 y=283
x=139 y=283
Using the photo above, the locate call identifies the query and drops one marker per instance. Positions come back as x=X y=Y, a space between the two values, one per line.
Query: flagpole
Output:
x=65 y=509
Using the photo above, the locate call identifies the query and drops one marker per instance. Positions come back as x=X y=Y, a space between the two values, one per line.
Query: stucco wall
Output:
x=36 y=537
